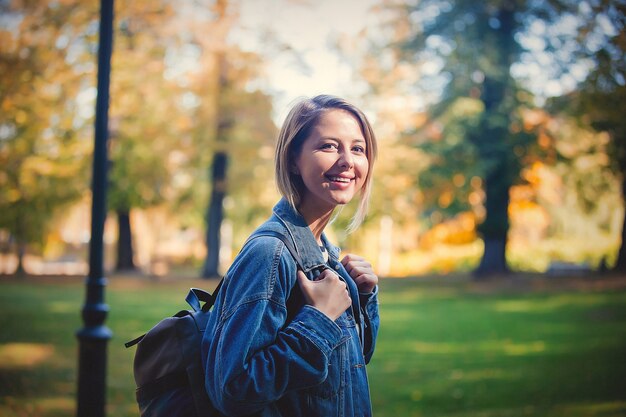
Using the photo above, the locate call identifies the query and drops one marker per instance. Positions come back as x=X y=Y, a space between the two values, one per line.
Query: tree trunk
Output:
x=215 y=212
x=620 y=266
x=215 y=215
x=124 y=243
x=493 y=261
x=21 y=250
x=20 y=245
x=496 y=226
x=494 y=152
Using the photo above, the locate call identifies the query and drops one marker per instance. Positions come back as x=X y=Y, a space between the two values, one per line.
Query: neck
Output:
x=316 y=219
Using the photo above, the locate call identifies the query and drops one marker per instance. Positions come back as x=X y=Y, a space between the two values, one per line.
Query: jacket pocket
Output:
x=334 y=383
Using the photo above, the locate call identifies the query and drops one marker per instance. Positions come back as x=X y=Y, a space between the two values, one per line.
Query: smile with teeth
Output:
x=339 y=179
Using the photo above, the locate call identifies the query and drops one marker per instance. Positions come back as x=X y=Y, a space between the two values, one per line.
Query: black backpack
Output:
x=168 y=365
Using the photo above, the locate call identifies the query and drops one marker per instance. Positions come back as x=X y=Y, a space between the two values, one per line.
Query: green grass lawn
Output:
x=448 y=347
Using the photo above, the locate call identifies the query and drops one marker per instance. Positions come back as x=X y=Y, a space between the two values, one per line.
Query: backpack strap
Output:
x=196 y=296
x=296 y=299
x=292 y=249
x=286 y=241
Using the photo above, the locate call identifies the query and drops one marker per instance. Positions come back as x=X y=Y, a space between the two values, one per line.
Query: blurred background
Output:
x=498 y=192
x=501 y=129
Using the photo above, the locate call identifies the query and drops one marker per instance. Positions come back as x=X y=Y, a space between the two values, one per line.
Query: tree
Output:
x=169 y=105
x=244 y=130
x=228 y=114
x=468 y=50
x=145 y=118
x=45 y=59
x=602 y=98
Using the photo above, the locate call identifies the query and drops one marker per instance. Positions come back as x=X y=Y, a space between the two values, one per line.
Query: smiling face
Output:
x=332 y=162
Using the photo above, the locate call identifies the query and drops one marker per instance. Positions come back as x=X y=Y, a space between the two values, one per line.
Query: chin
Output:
x=342 y=201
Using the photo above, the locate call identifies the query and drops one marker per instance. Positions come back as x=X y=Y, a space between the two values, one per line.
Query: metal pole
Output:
x=94 y=335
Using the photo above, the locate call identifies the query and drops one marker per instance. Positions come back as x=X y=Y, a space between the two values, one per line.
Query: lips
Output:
x=344 y=180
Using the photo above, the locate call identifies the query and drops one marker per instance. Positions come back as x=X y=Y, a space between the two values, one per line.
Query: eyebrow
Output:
x=338 y=140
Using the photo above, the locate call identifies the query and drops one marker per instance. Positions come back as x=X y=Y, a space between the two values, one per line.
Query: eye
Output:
x=328 y=146
x=358 y=149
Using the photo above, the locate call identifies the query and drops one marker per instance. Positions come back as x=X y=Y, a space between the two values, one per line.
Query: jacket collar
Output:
x=303 y=238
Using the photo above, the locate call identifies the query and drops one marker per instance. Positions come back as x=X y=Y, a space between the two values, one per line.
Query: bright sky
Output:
x=309 y=28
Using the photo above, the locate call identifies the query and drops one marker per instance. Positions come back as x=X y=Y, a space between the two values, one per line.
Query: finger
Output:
x=327 y=273
x=360 y=263
x=351 y=258
x=356 y=272
x=366 y=284
x=366 y=280
x=302 y=279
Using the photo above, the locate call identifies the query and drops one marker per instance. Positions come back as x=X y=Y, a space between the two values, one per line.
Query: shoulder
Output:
x=262 y=269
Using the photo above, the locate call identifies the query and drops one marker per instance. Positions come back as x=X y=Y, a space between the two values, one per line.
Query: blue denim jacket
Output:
x=263 y=362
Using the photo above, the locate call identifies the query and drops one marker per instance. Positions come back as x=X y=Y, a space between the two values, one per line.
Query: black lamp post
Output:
x=94 y=335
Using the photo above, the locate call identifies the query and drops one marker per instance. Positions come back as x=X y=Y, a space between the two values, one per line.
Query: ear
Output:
x=293 y=168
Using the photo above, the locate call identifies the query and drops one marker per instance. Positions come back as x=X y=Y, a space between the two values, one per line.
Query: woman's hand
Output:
x=327 y=293
x=361 y=272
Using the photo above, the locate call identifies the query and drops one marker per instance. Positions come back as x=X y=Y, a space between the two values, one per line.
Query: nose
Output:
x=346 y=159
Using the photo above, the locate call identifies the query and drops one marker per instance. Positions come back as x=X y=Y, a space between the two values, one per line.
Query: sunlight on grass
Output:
x=444 y=350
x=61 y=307
x=597 y=409
x=439 y=348
x=481 y=375
x=37 y=407
x=520 y=349
x=24 y=355
x=407 y=297
x=410 y=296
x=506 y=347
x=11 y=407
x=54 y=404
x=502 y=412
x=398 y=316
x=548 y=304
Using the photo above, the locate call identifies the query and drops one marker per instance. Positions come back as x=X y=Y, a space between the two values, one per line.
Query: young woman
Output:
x=266 y=354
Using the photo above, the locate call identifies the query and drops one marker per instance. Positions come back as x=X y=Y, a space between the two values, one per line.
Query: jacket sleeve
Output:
x=369 y=303
x=252 y=357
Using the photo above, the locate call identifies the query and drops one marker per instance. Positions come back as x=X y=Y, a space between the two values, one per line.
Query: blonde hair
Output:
x=297 y=127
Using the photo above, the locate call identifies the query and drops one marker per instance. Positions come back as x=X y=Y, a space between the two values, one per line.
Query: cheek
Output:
x=363 y=169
